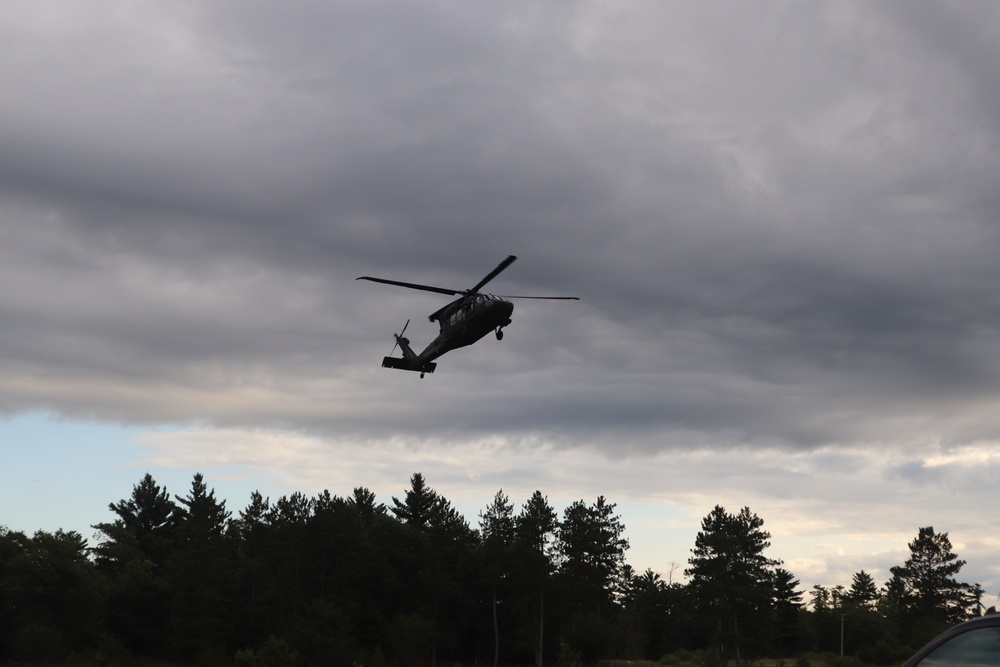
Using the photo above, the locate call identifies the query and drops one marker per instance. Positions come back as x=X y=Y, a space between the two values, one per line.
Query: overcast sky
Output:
x=782 y=220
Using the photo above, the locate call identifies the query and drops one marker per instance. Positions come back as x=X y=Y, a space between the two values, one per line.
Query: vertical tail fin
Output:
x=409 y=360
x=403 y=344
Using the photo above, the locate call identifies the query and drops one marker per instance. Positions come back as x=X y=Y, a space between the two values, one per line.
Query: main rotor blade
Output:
x=559 y=298
x=493 y=274
x=426 y=288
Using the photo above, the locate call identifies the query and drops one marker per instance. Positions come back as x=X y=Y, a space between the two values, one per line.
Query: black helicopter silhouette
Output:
x=463 y=321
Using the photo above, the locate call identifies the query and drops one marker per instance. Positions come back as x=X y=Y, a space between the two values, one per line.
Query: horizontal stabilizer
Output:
x=407 y=365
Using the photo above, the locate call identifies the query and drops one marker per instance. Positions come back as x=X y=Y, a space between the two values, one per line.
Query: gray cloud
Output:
x=783 y=224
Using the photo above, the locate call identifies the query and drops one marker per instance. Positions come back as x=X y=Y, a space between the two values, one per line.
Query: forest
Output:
x=330 y=580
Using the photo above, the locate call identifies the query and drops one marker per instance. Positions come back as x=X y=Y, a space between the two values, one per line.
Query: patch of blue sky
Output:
x=63 y=474
x=58 y=473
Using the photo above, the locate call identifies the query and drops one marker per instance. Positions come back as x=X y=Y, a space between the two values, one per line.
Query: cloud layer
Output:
x=782 y=222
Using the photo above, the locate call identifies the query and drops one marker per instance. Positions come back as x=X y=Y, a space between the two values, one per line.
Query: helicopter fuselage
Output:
x=467 y=321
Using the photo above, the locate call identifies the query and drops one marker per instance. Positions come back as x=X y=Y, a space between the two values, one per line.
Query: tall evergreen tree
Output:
x=201 y=572
x=863 y=590
x=336 y=581
x=146 y=528
x=891 y=604
x=253 y=532
x=645 y=600
x=420 y=504
x=534 y=528
x=442 y=546
x=731 y=576
x=928 y=577
x=288 y=553
x=496 y=529
x=786 y=602
x=134 y=553
x=591 y=546
x=364 y=503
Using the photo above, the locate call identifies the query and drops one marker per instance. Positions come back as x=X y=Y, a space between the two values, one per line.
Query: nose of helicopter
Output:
x=503 y=308
x=498 y=311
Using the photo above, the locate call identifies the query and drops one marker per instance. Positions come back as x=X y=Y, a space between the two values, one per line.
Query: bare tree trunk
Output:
x=719 y=640
x=736 y=643
x=539 y=648
x=496 y=631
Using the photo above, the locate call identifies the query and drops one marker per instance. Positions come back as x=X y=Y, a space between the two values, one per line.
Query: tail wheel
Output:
x=499 y=334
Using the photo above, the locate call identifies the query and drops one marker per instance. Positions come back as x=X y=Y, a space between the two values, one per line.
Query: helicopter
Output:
x=462 y=322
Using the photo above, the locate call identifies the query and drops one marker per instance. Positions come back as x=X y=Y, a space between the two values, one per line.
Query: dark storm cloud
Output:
x=782 y=224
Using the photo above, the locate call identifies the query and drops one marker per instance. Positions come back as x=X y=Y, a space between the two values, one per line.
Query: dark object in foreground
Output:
x=463 y=321
x=974 y=643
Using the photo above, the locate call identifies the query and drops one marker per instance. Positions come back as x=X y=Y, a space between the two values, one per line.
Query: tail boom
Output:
x=408 y=365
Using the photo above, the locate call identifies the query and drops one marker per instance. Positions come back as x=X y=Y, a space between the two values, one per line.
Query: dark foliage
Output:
x=347 y=580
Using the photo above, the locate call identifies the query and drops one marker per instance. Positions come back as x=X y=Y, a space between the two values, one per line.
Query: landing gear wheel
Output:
x=499 y=334
x=421 y=376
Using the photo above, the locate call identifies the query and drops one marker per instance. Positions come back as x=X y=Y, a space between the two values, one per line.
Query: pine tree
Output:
x=441 y=548
x=591 y=546
x=201 y=572
x=928 y=576
x=496 y=528
x=134 y=554
x=146 y=528
x=363 y=501
x=731 y=576
x=534 y=526
x=863 y=590
x=786 y=601
x=420 y=504
x=645 y=600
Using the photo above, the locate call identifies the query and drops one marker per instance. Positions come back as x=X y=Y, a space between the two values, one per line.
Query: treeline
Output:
x=350 y=581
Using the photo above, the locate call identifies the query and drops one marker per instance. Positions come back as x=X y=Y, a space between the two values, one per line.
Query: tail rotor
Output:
x=399 y=337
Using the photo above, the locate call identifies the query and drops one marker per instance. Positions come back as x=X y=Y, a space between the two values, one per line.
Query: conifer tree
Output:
x=590 y=546
x=363 y=501
x=731 y=576
x=201 y=572
x=496 y=529
x=928 y=577
x=863 y=590
x=146 y=527
x=134 y=553
x=419 y=504
x=786 y=601
x=534 y=527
